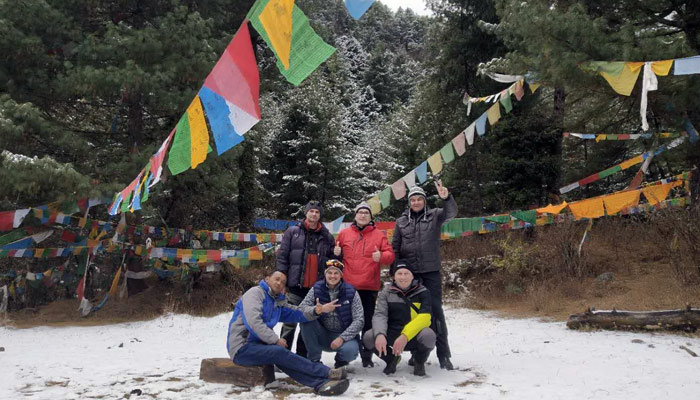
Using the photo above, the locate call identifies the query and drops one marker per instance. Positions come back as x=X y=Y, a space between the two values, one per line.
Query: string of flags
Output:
x=622 y=166
x=455 y=147
x=600 y=137
x=229 y=98
x=622 y=76
x=56 y=212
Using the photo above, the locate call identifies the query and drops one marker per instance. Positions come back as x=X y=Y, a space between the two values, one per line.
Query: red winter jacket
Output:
x=357 y=248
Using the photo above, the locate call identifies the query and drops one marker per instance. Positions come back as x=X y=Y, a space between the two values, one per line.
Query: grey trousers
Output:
x=420 y=346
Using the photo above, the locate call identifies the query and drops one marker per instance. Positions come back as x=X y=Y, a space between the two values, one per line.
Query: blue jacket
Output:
x=257 y=312
x=291 y=257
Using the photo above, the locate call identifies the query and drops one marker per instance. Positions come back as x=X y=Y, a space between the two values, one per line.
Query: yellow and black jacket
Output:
x=400 y=311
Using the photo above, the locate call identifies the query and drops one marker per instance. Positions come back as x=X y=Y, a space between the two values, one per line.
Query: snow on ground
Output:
x=497 y=359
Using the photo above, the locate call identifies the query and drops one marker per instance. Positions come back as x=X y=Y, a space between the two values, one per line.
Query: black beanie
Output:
x=397 y=266
x=313 y=205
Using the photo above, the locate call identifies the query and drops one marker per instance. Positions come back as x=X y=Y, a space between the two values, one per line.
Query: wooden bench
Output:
x=223 y=370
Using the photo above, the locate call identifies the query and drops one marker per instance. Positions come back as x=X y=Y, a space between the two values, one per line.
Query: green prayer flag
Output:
x=180 y=155
x=453 y=227
x=385 y=197
x=472 y=224
x=125 y=203
x=507 y=103
x=13 y=236
x=610 y=171
x=499 y=219
x=527 y=216
x=308 y=50
x=447 y=153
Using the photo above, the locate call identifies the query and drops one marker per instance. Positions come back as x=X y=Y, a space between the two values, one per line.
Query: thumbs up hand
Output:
x=337 y=249
x=376 y=255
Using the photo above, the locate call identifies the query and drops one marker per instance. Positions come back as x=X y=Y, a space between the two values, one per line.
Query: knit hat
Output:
x=399 y=265
x=366 y=206
x=332 y=263
x=313 y=205
x=417 y=190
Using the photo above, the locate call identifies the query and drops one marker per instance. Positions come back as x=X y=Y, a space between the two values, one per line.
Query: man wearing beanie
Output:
x=402 y=322
x=302 y=256
x=417 y=242
x=338 y=331
x=363 y=248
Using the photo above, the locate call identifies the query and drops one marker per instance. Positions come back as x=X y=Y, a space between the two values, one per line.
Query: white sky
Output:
x=418 y=6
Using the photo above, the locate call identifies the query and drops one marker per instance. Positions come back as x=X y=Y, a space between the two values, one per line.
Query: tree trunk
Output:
x=558 y=119
x=135 y=120
x=223 y=370
x=675 y=320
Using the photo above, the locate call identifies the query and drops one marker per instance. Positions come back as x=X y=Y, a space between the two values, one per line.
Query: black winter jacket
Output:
x=417 y=239
x=291 y=257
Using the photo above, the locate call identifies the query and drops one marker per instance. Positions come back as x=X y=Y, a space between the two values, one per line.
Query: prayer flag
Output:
x=276 y=18
x=591 y=208
x=357 y=7
x=687 y=66
x=422 y=172
x=399 y=189
x=552 y=209
x=410 y=179
x=481 y=124
x=494 y=114
x=307 y=49
x=435 y=163
x=459 y=143
x=375 y=205
x=506 y=101
x=614 y=203
x=385 y=197
x=469 y=133
x=447 y=153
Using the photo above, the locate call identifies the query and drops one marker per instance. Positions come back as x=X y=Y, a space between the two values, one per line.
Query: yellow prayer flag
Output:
x=614 y=203
x=494 y=114
x=115 y=283
x=662 y=68
x=435 y=162
x=375 y=205
x=591 y=208
x=534 y=87
x=658 y=193
x=632 y=161
x=228 y=236
x=552 y=209
x=276 y=18
x=623 y=83
x=38 y=253
x=199 y=135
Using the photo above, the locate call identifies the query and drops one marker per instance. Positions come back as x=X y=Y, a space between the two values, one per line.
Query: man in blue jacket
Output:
x=302 y=256
x=251 y=340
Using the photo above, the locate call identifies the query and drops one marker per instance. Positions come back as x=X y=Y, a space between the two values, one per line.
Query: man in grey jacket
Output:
x=251 y=340
x=417 y=243
x=337 y=331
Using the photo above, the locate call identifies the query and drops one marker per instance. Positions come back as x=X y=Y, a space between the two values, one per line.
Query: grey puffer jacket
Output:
x=417 y=237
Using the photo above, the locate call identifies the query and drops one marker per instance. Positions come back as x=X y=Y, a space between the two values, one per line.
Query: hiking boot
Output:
x=367 y=363
x=391 y=365
x=337 y=374
x=445 y=363
x=333 y=388
x=339 y=363
x=411 y=362
x=418 y=369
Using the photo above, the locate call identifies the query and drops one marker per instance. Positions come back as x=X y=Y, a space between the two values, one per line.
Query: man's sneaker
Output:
x=337 y=374
x=367 y=363
x=333 y=388
x=445 y=363
x=339 y=363
x=391 y=366
x=418 y=369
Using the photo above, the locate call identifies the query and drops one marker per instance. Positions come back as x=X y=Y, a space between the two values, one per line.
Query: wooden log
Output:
x=223 y=370
x=687 y=319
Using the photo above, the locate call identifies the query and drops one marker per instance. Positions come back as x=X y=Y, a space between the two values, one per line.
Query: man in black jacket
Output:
x=417 y=242
x=302 y=256
x=402 y=322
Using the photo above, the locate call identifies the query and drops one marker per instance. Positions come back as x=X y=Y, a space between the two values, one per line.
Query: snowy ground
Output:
x=497 y=359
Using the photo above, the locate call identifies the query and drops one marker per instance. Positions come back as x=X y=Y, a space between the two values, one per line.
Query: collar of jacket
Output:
x=336 y=288
x=412 y=288
x=367 y=228
x=268 y=291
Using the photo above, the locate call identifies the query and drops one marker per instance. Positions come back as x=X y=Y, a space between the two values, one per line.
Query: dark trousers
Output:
x=369 y=301
x=433 y=282
x=294 y=297
x=298 y=368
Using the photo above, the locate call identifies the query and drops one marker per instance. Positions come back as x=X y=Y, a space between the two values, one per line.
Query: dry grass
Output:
x=653 y=264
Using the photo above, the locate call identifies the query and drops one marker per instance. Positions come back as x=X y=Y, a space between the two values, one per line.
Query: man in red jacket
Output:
x=363 y=248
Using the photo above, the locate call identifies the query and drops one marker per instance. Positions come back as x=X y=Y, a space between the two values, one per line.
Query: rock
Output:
x=605 y=277
x=637 y=341
x=2 y=349
x=137 y=392
x=121 y=344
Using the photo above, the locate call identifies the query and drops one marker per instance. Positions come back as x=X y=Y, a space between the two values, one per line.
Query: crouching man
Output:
x=402 y=322
x=339 y=330
x=251 y=340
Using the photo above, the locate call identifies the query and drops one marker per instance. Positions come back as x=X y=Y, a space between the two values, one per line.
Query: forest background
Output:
x=89 y=92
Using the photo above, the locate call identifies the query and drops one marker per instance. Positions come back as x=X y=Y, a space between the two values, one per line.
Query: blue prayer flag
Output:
x=357 y=7
x=422 y=172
